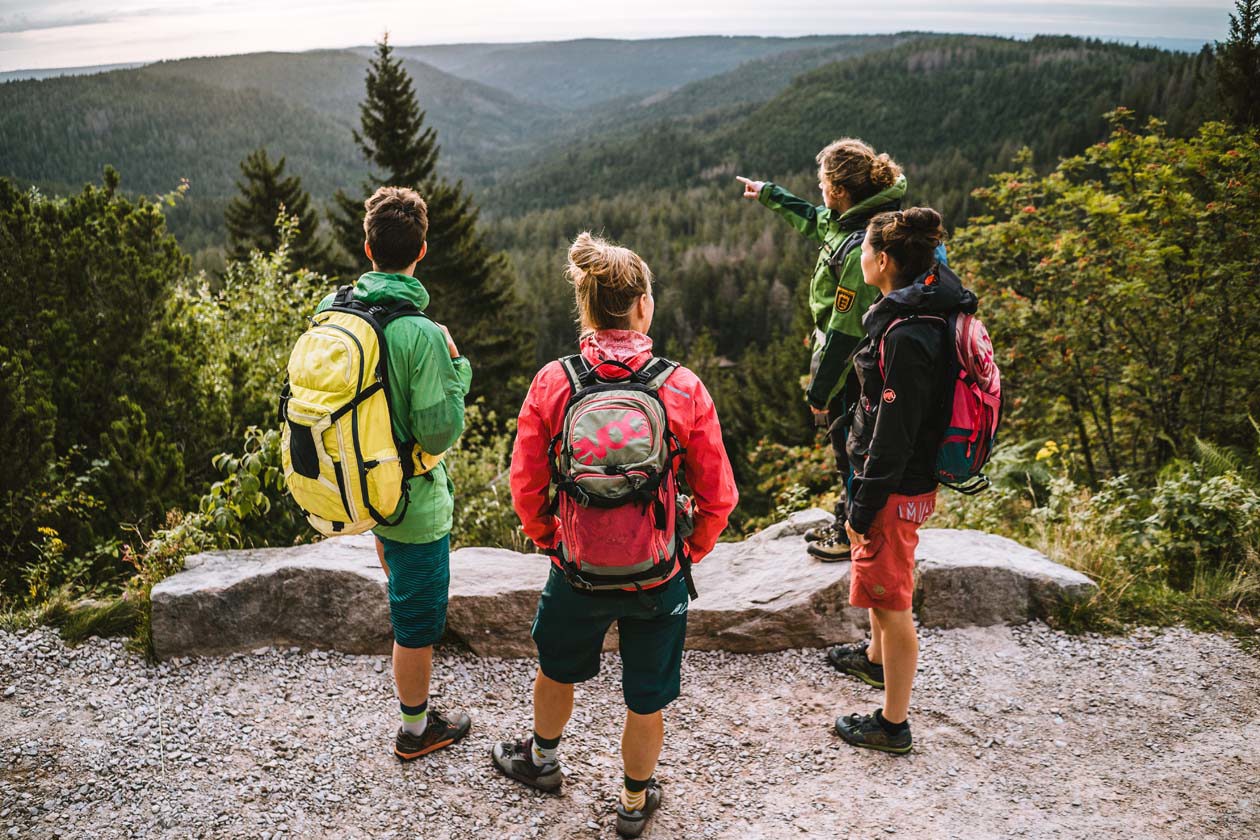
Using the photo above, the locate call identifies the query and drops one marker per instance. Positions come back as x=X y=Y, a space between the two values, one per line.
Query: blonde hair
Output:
x=851 y=164
x=607 y=282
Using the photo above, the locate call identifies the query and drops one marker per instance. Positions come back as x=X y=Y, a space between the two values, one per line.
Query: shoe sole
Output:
x=412 y=756
x=829 y=559
x=862 y=745
x=402 y=756
x=864 y=677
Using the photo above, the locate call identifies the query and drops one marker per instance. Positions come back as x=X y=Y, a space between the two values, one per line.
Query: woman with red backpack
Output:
x=612 y=429
x=903 y=368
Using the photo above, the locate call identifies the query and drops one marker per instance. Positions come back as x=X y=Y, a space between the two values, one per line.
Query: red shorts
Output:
x=882 y=574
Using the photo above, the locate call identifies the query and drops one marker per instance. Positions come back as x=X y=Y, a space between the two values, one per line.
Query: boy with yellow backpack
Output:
x=375 y=396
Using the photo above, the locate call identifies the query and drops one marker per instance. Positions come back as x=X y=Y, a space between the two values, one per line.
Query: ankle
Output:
x=633 y=794
x=889 y=726
x=543 y=750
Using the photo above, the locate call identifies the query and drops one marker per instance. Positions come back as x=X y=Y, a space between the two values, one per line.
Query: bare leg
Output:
x=875 y=651
x=901 y=659
x=641 y=743
x=553 y=705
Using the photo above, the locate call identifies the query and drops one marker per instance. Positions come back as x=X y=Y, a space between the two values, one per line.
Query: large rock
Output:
x=974 y=578
x=762 y=594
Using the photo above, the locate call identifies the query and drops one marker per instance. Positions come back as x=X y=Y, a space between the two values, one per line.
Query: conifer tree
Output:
x=1238 y=65
x=471 y=285
x=251 y=216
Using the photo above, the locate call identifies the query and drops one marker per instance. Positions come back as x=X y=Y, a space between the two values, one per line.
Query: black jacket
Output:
x=900 y=417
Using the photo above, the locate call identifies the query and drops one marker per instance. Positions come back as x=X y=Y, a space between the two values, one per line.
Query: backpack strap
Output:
x=654 y=372
x=896 y=322
x=835 y=262
x=578 y=371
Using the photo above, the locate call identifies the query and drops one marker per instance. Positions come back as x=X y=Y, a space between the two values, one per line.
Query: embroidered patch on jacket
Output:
x=890 y=395
x=844 y=299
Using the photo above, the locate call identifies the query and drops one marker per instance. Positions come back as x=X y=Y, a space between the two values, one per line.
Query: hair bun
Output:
x=923 y=221
x=883 y=171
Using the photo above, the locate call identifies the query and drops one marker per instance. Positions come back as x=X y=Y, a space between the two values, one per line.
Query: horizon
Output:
x=38 y=35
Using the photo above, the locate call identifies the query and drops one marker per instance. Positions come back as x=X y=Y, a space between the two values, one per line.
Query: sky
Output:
x=71 y=33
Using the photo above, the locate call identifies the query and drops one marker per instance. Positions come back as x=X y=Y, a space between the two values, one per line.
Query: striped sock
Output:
x=633 y=794
x=543 y=751
x=414 y=718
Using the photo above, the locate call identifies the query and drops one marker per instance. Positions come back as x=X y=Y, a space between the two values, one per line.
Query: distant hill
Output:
x=583 y=73
x=53 y=72
x=952 y=108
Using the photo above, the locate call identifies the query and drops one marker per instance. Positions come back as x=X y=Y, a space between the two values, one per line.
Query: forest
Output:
x=171 y=227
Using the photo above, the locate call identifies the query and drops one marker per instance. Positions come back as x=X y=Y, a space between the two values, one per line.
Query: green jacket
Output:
x=426 y=397
x=837 y=305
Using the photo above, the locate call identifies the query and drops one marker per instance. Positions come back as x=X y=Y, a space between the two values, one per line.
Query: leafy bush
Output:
x=1120 y=296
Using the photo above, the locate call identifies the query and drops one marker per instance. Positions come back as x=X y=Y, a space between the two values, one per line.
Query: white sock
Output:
x=414 y=718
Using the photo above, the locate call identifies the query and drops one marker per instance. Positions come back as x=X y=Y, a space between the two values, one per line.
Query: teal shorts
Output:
x=419 y=582
x=569 y=631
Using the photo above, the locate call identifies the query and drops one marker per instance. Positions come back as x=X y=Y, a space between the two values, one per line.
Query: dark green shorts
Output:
x=419 y=583
x=569 y=631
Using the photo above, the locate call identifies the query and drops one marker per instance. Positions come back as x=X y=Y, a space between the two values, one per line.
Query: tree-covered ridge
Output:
x=61 y=132
x=951 y=108
x=579 y=74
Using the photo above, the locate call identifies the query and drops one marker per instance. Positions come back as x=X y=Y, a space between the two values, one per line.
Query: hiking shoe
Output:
x=866 y=731
x=514 y=760
x=851 y=661
x=831 y=549
x=439 y=733
x=632 y=823
x=823 y=532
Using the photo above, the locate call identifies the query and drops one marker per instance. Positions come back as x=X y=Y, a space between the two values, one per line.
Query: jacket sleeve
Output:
x=530 y=470
x=807 y=218
x=708 y=473
x=438 y=387
x=908 y=372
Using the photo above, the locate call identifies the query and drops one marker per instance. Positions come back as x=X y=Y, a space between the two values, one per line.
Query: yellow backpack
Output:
x=342 y=462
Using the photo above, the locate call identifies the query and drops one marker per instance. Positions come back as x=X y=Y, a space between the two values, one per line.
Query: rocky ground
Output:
x=1020 y=732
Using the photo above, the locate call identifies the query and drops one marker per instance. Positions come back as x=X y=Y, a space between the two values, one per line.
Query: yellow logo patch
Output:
x=844 y=299
x=878 y=591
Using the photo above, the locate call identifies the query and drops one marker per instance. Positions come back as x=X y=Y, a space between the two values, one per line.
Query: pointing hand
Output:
x=752 y=189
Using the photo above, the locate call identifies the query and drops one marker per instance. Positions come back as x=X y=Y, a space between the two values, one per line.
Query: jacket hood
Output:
x=625 y=346
x=377 y=286
x=888 y=198
x=938 y=292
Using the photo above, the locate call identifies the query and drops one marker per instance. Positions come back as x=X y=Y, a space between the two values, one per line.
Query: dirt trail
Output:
x=1020 y=732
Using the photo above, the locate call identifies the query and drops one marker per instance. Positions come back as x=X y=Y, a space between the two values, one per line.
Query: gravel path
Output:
x=1020 y=732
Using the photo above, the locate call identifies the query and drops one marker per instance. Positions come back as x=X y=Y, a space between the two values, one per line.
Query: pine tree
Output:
x=251 y=216
x=472 y=286
x=1238 y=66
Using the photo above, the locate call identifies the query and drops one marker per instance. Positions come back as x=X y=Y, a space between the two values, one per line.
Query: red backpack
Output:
x=973 y=402
x=614 y=465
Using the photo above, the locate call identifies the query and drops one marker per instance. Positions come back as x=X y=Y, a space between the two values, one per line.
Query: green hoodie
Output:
x=837 y=305
x=426 y=397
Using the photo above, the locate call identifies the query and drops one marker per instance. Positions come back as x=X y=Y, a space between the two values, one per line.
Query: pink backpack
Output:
x=614 y=465
x=973 y=403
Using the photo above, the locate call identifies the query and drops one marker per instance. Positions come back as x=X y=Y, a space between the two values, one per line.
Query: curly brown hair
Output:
x=852 y=164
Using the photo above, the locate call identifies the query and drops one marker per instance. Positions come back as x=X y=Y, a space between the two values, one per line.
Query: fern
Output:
x=1215 y=459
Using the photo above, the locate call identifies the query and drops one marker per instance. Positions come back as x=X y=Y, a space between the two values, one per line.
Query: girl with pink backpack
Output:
x=602 y=441
x=927 y=414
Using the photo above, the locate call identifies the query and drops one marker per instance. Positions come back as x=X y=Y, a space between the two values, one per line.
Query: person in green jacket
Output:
x=856 y=185
x=428 y=380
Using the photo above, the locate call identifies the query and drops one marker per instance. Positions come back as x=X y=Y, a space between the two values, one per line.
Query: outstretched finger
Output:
x=745 y=181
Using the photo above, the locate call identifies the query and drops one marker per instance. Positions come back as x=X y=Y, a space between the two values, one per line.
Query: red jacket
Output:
x=692 y=418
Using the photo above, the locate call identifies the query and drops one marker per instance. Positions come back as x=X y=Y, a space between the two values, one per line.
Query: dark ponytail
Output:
x=910 y=237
